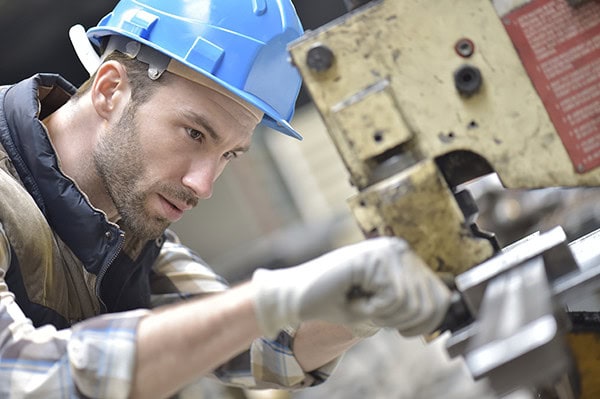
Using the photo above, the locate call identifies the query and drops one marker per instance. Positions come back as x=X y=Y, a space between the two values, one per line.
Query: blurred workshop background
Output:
x=285 y=203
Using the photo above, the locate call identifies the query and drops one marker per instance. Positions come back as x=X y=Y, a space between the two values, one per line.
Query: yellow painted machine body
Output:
x=385 y=79
x=421 y=96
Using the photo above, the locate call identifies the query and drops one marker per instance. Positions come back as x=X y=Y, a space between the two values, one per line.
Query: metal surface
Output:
x=411 y=205
x=472 y=283
x=520 y=315
x=383 y=78
x=423 y=96
x=583 y=282
x=408 y=47
x=519 y=330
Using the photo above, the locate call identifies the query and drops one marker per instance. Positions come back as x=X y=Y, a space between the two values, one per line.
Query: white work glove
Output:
x=378 y=281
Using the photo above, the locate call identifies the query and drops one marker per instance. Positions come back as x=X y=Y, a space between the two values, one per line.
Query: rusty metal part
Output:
x=418 y=205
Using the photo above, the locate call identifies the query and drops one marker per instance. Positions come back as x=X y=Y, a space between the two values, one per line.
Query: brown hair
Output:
x=142 y=87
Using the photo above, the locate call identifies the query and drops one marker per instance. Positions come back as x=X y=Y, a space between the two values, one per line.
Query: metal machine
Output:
x=421 y=97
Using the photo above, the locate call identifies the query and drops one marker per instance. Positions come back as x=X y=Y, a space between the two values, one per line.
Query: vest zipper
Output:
x=105 y=267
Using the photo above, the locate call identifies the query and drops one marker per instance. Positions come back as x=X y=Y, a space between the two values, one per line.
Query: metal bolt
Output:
x=464 y=47
x=467 y=80
x=153 y=73
x=319 y=58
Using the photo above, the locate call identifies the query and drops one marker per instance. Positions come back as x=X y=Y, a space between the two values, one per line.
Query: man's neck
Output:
x=73 y=131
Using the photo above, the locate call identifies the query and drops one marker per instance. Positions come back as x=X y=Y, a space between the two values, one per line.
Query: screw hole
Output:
x=446 y=137
x=378 y=137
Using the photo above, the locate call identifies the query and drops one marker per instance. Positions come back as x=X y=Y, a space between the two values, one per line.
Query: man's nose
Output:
x=201 y=180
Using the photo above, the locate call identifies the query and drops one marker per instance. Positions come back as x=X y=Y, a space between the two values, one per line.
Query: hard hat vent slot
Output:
x=259 y=7
x=205 y=55
x=140 y=23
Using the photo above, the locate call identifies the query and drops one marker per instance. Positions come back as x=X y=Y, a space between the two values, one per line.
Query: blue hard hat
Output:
x=240 y=44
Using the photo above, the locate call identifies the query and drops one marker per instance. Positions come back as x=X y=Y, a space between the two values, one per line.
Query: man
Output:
x=90 y=181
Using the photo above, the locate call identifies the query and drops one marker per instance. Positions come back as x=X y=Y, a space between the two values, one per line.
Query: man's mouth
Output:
x=172 y=210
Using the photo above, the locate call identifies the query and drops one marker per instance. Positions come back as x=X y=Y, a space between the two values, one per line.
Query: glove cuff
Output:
x=272 y=302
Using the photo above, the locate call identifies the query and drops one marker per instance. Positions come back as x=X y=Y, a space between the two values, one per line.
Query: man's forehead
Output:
x=179 y=69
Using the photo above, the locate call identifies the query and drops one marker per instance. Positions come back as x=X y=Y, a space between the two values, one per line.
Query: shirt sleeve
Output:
x=273 y=365
x=93 y=359
x=181 y=273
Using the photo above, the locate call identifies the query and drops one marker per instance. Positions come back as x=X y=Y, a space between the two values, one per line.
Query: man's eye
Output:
x=195 y=134
x=230 y=155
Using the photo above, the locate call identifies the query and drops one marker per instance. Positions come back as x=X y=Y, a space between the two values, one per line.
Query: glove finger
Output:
x=434 y=301
x=404 y=296
x=426 y=326
x=403 y=312
x=374 y=289
x=424 y=294
x=389 y=298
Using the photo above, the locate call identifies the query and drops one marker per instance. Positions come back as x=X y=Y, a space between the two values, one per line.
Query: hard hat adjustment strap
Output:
x=157 y=61
x=84 y=49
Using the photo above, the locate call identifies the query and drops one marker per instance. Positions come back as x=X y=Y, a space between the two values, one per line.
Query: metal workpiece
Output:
x=397 y=60
x=472 y=283
x=418 y=206
x=586 y=250
x=520 y=340
x=585 y=280
x=517 y=314
x=572 y=270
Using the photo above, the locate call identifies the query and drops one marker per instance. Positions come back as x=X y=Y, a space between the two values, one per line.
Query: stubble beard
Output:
x=120 y=165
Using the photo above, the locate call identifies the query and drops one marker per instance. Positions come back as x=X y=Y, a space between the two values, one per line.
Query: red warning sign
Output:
x=559 y=46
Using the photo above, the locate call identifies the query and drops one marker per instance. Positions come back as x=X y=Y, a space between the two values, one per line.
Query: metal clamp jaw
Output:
x=513 y=310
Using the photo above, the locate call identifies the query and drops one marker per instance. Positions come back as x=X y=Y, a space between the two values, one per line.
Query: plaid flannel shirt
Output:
x=95 y=358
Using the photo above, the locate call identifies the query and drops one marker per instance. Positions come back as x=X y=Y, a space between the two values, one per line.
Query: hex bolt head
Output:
x=319 y=58
x=468 y=80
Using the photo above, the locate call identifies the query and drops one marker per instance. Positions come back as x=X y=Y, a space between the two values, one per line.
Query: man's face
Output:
x=160 y=157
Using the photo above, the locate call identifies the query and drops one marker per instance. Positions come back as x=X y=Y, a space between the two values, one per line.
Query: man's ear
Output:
x=110 y=89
